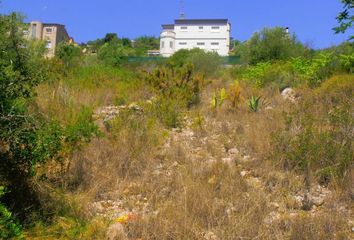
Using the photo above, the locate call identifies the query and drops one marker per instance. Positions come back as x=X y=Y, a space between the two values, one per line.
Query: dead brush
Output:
x=202 y=200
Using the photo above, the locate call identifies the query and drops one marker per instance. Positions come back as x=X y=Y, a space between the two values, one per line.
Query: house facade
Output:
x=208 y=34
x=51 y=33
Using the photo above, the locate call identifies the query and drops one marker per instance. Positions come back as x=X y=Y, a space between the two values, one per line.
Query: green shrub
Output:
x=347 y=62
x=9 y=228
x=280 y=76
x=256 y=73
x=69 y=54
x=206 y=63
x=113 y=53
x=81 y=128
x=270 y=44
x=320 y=69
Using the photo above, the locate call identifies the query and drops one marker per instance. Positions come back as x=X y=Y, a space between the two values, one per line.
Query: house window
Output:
x=162 y=44
x=48 y=30
x=200 y=43
x=215 y=29
x=182 y=43
x=184 y=28
x=171 y=44
x=48 y=44
x=200 y=29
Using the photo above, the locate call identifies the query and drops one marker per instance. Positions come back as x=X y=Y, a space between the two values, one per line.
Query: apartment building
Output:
x=208 y=34
x=51 y=33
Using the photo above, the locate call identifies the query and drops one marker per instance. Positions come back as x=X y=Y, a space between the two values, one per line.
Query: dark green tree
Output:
x=110 y=37
x=24 y=140
x=270 y=44
x=345 y=18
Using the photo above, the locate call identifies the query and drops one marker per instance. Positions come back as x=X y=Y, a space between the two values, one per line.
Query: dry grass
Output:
x=188 y=196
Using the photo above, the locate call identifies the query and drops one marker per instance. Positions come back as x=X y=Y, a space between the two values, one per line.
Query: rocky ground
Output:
x=284 y=199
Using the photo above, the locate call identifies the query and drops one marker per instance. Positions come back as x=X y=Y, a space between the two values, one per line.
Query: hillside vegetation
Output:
x=95 y=147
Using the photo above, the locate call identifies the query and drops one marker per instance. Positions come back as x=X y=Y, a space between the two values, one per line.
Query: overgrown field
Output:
x=93 y=148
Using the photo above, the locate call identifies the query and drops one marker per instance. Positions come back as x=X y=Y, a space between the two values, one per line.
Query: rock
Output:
x=210 y=236
x=116 y=232
x=317 y=201
x=135 y=107
x=289 y=94
x=244 y=173
x=274 y=205
x=233 y=151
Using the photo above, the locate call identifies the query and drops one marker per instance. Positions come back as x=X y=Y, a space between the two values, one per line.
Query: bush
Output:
x=168 y=111
x=270 y=44
x=256 y=73
x=178 y=83
x=320 y=69
x=318 y=135
x=234 y=95
x=113 y=53
x=206 y=63
x=9 y=228
x=69 y=54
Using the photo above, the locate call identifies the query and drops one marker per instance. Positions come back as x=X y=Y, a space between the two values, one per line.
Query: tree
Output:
x=345 y=18
x=24 y=140
x=112 y=53
x=68 y=53
x=145 y=43
x=110 y=37
x=270 y=44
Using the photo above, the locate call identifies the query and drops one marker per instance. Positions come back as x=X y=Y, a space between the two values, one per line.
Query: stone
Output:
x=233 y=151
x=317 y=201
x=116 y=232
x=244 y=173
x=210 y=236
x=289 y=94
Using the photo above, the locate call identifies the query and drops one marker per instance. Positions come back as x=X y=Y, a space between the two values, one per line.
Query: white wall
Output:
x=193 y=37
x=167 y=43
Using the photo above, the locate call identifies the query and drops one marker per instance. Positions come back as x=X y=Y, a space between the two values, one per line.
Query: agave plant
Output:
x=254 y=103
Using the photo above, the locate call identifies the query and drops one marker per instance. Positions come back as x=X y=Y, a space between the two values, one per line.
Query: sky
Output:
x=311 y=20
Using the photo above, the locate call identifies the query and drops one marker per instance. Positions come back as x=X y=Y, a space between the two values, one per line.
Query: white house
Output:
x=207 y=34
